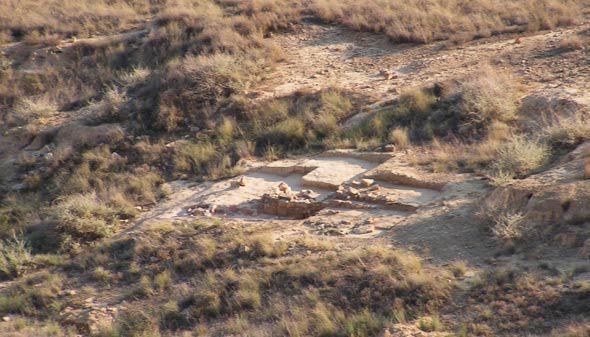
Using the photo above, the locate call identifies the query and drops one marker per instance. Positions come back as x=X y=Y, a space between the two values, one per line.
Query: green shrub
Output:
x=136 y=323
x=486 y=97
x=430 y=324
x=15 y=257
x=163 y=280
x=84 y=216
x=287 y=135
x=520 y=156
x=364 y=324
x=195 y=158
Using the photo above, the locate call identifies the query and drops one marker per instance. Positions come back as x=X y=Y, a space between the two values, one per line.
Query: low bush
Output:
x=37 y=296
x=15 y=257
x=520 y=156
x=84 y=216
x=510 y=227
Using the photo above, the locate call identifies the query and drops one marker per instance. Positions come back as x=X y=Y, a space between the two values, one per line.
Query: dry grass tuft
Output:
x=520 y=156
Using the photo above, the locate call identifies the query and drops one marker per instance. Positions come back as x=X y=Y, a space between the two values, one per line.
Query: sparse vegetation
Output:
x=103 y=103
x=15 y=257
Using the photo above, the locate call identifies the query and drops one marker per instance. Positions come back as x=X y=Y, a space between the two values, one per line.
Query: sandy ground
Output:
x=320 y=56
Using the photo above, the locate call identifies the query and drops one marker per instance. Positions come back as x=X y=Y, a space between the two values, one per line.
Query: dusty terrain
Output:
x=329 y=55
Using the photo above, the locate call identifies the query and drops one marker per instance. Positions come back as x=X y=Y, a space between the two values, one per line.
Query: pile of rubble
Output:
x=341 y=227
x=284 y=202
x=89 y=319
x=364 y=194
x=202 y=210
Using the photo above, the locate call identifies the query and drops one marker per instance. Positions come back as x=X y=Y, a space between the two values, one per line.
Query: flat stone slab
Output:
x=394 y=173
x=287 y=167
x=331 y=172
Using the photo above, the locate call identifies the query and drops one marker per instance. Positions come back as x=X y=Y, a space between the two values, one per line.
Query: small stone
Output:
x=334 y=232
x=362 y=230
x=6 y=318
x=367 y=182
x=389 y=148
x=283 y=187
x=375 y=188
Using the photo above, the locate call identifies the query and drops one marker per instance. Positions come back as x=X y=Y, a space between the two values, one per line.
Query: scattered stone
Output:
x=389 y=148
x=284 y=188
x=244 y=249
x=385 y=333
x=87 y=321
x=387 y=74
x=334 y=232
x=6 y=318
x=367 y=182
x=203 y=210
x=239 y=182
x=362 y=230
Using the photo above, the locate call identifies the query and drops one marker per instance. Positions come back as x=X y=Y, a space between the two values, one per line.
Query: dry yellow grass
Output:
x=424 y=21
x=22 y=18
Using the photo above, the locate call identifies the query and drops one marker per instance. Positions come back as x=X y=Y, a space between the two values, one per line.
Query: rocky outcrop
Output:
x=547 y=107
x=559 y=195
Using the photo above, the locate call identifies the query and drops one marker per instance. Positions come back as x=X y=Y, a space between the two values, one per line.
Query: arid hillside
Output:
x=295 y=168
